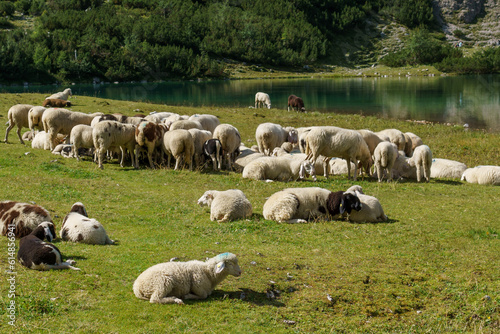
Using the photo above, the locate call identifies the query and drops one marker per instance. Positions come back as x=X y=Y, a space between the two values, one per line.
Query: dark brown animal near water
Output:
x=56 y=103
x=21 y=218
x=296 y=102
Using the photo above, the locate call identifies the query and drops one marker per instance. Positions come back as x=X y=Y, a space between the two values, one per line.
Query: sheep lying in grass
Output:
x=226 y=205
x=64 y=95
x=173 y=282
x=385 y=155
x=270 y=135
x=41 y=140
x=56 y=103
x=298 y=205
x=24 y=217
x=422 y=161
x=482 y=175
x=17 y=115
x=261 y=100
x=444 y=168
x=278 y=168
x=371 y=209
x=77 y=227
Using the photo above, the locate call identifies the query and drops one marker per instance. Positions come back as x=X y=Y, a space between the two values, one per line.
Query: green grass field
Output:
x=432 y=268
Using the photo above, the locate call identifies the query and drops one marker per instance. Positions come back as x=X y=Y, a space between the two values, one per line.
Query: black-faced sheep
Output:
x=212 y=149
x=36 y=254
x=24 y=217
x=298 y=205
x=226 y=205
x=261 y=100
x=371 y=209
x=173 y=282
x=77 y=227
x=199 y=139
x=296 y=103
x=270 y=135
x=17 y=115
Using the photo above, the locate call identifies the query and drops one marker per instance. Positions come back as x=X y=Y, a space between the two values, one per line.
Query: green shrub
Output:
x=7 y=8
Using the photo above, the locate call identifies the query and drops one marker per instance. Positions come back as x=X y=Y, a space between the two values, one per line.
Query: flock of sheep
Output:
x=281 y=154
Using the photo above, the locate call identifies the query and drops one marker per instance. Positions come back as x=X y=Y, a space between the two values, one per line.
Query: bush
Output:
x=5 y=23
x=7 y=8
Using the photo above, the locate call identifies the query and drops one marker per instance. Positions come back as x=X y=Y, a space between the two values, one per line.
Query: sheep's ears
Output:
x=220 y=267
x=342 y=206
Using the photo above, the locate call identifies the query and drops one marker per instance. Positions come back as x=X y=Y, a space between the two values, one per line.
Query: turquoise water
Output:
x=463 y=99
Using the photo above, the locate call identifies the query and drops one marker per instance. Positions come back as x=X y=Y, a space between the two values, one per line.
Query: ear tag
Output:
x=220 y=267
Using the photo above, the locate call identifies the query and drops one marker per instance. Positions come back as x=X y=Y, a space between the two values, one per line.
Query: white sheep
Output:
x=298 y=205
x=185 y=124
x=107 y=134
x=246 y=156
x=384 y=156
x=261 y=100
x=371 y=209
x=150 y=135
x=17 y=115
x=422 y=161
x=41 y=140
x=81 y=137
x=394 y=136
x=337 y=166
x=199 y=139
x=35 y=118
x=415 y=140
x=158 y=117
x=278 y=168
x=331 y=141
x=226 y=205
x=60 y=120
x=64 y=95
x=179 y=144
x=371 y=139
x=444 y=168
x=270 y=135
x=208 y=122
x=65 y=150
x=77 y=227
x=482 y=175
x=171 y=282
x=230 y=140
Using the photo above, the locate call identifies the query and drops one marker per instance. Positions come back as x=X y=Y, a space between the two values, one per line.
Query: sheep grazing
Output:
x=208 y=122
x=150 y=135
x=270 y=135
x=394 y=136
x=226 y=205
x=371 y=209
x=17 y=115
x=331 y=141
x=179 y=144
x=81 y=137
x=185 y=124
x=444 y=168
x=108 y=134
x=385 y=155
x=59 y=120
x=482 y=175
x=422 y=161
x=278 y=168
x=296 y=103
x=64 y=95
x=298 y=205
x=35 y=118
x=261 y=100
x=212 y=149
x=77 y=227
x=36 y=254
x=21 y=218
x=371 y=139
x=199 y=139
x=173 y=282
x=56 y=103
x=230 y=140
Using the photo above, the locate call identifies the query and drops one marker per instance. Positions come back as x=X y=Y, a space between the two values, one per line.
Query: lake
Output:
x=474 y=100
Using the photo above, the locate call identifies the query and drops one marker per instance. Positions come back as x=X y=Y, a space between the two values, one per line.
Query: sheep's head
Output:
x=206 y=199
x=45 y=231
x=349 y=202
x=307 y=168
x=293 y=135
x=78 y=207
x=228 y=263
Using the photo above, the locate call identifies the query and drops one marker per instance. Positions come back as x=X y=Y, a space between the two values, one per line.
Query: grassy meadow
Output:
x=433 y=267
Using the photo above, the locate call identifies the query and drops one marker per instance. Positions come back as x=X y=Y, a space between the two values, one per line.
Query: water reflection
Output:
x=465 y=99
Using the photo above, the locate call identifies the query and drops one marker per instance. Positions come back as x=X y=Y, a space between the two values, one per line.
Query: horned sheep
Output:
x=270 y=135
x=261 y=100
x=482 y=175
x=173 y=282
x=226 y=205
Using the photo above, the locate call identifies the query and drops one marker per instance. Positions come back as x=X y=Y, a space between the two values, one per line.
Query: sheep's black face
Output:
x=350 y=202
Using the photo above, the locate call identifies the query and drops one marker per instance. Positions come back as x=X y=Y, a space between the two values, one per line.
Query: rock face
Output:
x=465 y=11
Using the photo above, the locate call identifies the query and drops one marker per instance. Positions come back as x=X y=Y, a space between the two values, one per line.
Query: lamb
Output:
x=64 y=95
x=331 y=141
x=261 y=100
x=21 y=218
x=394 y=136
x=41 y=140
x=171 y=282
x=179 y=144
x=226 y=205
x=35 y=118
x=296 y=102
x=482 y=175
x=185 y=124
x=28 y=135
x=371 y=139
x=111 y=133
x=270 y=135
x=65 y=150
x=422 y=160
x=444 y=168
x=208 y=122
x=385 y=155
x=278 y=168
x=36 y=254
x=56 y=103
x=230 y=140
x=199 y=139
x=337 y=166
x=59 y=120
x=150 y=135
x=298 y=205
x=371 y=209
x=17 y=115
x=212 y=149
x=77 y=227
x=81 y=137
